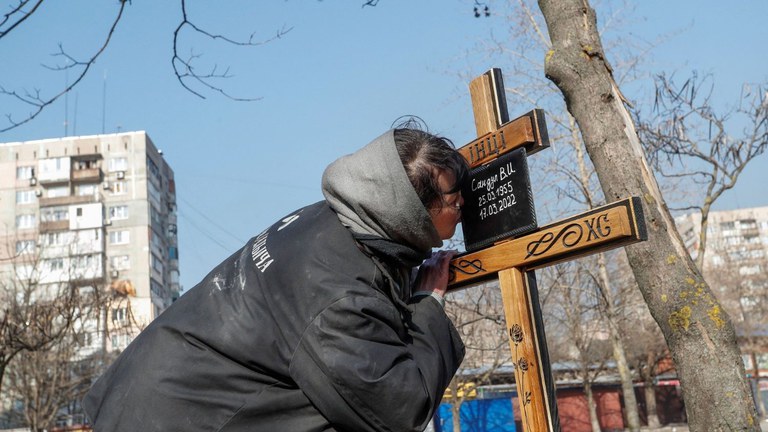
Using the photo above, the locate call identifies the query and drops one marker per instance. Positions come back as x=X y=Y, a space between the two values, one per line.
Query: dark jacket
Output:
x=297 y=331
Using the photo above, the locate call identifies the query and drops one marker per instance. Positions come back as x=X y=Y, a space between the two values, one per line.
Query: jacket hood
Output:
x=370 y=192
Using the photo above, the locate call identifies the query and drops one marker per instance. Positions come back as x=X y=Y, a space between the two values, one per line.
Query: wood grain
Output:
x=606 y=227
x=525 y=350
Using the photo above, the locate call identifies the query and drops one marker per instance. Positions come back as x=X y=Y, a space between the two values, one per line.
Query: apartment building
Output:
x=736 y=239
x=97 y=210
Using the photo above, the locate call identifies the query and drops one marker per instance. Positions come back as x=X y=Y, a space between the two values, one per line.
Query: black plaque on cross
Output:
x=498 y=202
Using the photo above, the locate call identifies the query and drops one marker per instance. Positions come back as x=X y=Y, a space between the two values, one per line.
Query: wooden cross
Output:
x=513 y=260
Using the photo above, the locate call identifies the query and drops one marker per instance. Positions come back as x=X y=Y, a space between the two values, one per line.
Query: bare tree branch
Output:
x=684 y=127
x=184 y=69
x=38 y=103
x=17 y=10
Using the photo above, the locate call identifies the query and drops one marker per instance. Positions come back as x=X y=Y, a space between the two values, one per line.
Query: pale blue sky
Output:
x=336 y=80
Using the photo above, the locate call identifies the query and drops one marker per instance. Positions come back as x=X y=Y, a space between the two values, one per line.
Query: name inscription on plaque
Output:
x=498 y=203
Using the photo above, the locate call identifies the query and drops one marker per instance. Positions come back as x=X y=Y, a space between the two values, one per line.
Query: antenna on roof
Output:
x=104 y=104
x=66 y=103
x=74 y=115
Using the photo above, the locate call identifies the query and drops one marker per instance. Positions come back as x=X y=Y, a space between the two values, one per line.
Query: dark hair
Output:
x=422 y=153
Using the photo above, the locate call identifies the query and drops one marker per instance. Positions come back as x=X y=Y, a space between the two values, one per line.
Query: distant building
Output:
x=732 y=236
x=736 y=255
x=736 y=269
x=97 y=209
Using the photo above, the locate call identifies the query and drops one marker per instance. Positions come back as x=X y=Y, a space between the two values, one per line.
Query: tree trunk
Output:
x=650 y=405
x=758 y=395
x=704 y=226
x=619 y=354
x=697 y=329
x=456 y=418
x=455 y=406
x=593 y=419
x=650 y=392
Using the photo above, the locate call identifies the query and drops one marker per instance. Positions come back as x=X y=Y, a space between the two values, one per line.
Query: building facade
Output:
x=735 y=257
x=97 y=210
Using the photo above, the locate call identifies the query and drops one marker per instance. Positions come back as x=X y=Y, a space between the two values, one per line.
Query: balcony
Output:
x=52 y=179
x=750 y=232
x=69 y=200
x=60 y=225
x=86 y=175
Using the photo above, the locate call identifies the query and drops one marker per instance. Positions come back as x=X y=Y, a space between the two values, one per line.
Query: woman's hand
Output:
x=433 y=272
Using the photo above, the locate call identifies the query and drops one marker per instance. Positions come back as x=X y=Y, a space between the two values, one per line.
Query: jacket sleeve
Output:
x=365 y=372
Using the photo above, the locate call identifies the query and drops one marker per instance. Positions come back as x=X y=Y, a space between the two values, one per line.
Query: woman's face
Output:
x=446 y=212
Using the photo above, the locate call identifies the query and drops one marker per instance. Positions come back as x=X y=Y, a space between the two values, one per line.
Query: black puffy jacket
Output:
x=294 y=332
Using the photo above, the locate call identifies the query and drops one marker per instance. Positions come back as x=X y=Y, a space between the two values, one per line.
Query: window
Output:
x=54 y=168
x=119 y=315
x=762 y=361
x=154 y=193
x=157 y=264
x=119 y=237
x=118 y=164
x=83 y=262
x=84 y=339
x=54 y=264
x=155 y=218
x=59 y=191
x=25 y=247
x=156 y=288
x=25 y=172
x=25 y=221
x=120 y=341
x=86 y=189
x=748 y=224
x=118 y=212
x=152 y=168
x=118 y=188
x=85 y=164
x=750 y=270
x=156 y=242
x=55 y=238
x=53 y=214
x=728 y=228
x=120 y=262
x=25 y=197
x=85 y=236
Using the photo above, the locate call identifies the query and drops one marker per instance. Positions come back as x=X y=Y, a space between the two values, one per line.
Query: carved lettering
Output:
x=480 y=148
x=603 y=217
x=596 y=228
x=590 y=226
